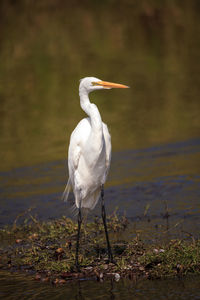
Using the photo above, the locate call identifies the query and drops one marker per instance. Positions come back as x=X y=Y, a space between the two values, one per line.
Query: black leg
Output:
x=78 y=237
x=103 y=214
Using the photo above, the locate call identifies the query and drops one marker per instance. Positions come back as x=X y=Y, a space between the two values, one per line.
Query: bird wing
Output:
x=66 y=191
x=73 y=160
x=78 y=136
x=107 y=138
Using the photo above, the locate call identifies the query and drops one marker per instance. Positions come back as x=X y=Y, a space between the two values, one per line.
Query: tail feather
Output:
x=91 y=200
x=74 y=210
x=66 y=191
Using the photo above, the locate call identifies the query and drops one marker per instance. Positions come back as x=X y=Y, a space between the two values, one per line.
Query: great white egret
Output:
x=89 y=156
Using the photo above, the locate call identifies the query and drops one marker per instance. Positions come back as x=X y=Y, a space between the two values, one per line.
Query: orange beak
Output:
x=110 y=85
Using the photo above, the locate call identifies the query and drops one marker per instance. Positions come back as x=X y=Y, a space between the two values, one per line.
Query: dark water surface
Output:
x=174 y=289
x=143 y=184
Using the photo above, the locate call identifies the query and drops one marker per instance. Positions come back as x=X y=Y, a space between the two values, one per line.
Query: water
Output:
x=182 y=288
x=45 y=48
x=143 y=184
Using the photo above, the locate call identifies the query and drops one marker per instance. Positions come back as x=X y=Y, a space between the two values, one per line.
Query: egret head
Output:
x=90 y=84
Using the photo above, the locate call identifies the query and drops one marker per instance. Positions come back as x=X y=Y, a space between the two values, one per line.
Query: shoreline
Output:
x=46 y=250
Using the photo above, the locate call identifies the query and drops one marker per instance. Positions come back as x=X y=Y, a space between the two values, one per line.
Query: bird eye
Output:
x=95 y=83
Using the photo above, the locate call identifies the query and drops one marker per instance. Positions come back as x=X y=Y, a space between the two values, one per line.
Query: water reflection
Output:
x=19 y=287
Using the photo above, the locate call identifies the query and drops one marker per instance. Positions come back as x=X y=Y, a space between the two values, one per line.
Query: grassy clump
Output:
x=48 y=251
x=176 y=258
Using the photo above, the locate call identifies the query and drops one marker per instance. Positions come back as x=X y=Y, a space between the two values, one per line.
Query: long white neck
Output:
x=91 y=110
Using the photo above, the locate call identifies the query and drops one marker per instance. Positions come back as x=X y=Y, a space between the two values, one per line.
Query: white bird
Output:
x=89 y=156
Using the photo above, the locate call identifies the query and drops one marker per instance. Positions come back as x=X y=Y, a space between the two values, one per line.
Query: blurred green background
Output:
x=46 y=46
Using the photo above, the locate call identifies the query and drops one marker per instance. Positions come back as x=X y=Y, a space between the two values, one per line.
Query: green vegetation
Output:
x=47 y=250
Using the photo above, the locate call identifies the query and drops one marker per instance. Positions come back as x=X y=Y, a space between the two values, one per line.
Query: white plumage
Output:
x=89 y=153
